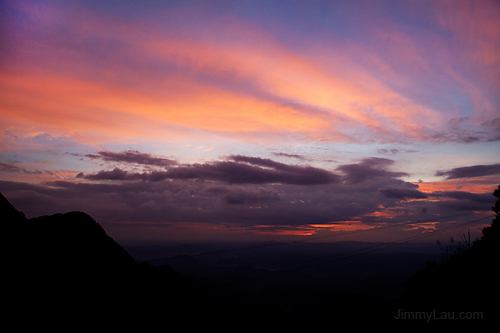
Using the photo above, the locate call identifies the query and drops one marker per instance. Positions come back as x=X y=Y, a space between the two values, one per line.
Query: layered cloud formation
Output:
x=250 y=116
x=245 y=194
x=237 y=170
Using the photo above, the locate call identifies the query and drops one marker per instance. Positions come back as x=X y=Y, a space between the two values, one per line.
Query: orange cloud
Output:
x=282 y=231
x=87 y=106
x=348 y=98
x=473 y=185
x=346 y=226
x=237 y=81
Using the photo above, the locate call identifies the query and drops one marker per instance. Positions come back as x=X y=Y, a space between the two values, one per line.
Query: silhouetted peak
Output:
x=66 y=265
x=62 y=242
x=76 y=240
x=8 y=212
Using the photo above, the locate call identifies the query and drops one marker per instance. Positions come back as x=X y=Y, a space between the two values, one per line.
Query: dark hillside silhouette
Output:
x=463 y=282
x=64 y=269
x=9 y=213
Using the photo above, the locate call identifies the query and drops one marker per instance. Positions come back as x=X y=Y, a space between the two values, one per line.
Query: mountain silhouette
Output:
x=64 y=268
x=9 y=213
x=63 y=271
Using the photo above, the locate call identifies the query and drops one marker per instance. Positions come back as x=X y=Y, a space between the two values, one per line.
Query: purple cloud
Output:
x=251 y=195
x=461 y=195
x=395 y=151
x=299 y=157
x=115 y=174
x=12 y=168
x=463 y=130
x=132 y=156
x=237 y=170
x=470 y=171
x=369 y=168
x=399 y=193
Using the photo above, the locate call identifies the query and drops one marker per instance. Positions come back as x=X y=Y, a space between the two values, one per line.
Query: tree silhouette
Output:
x=462 y=283
x=490 y=234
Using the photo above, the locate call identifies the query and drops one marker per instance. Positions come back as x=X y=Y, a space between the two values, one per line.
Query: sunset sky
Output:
x=252 y=120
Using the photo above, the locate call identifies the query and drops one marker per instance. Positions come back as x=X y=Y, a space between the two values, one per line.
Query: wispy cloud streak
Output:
x=132 y=156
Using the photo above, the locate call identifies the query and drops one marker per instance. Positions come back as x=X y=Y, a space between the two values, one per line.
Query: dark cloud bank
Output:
x=240 y=191
x=236 y=170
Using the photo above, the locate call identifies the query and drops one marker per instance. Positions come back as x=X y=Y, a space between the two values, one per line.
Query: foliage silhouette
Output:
x=453 y=249
x=463 y=282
